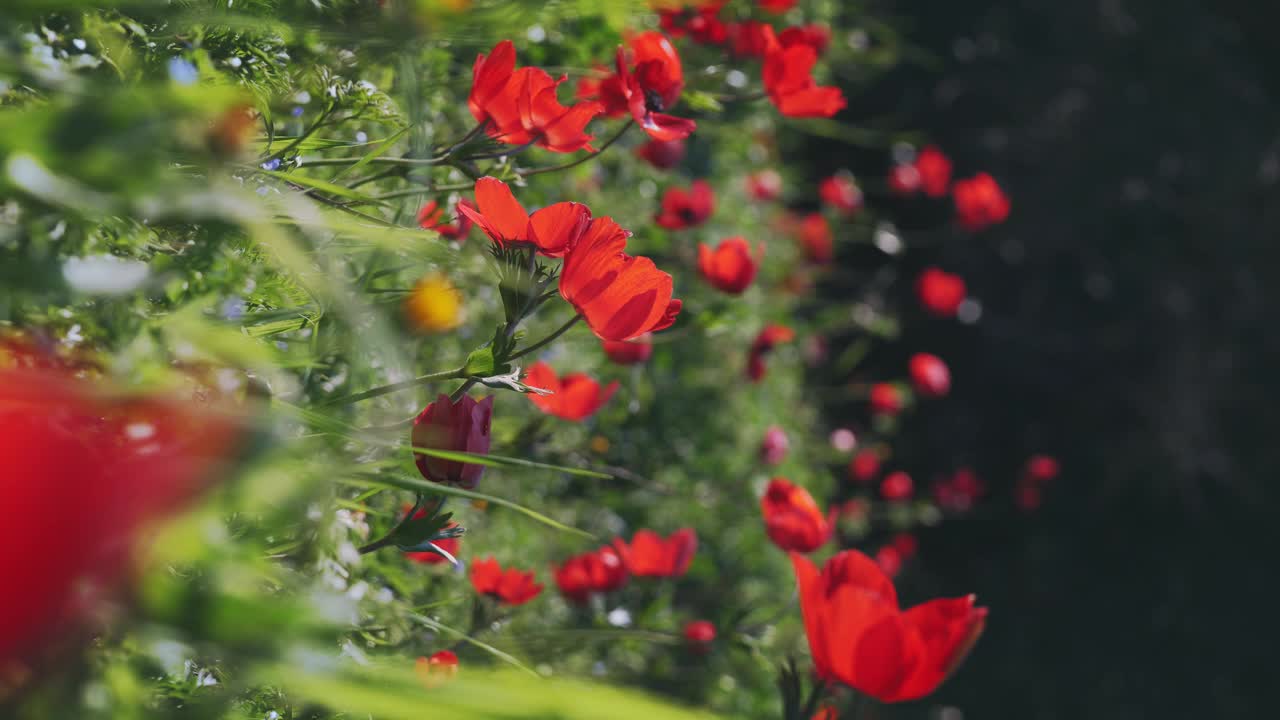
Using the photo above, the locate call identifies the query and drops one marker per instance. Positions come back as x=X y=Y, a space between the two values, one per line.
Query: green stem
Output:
x=394 y=387
x=546 y=340
x=322 y=162
x=423 y=190
x=554 y=168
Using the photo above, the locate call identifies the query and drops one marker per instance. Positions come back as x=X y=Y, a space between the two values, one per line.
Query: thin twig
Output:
x=544 y=341
x=538 y=171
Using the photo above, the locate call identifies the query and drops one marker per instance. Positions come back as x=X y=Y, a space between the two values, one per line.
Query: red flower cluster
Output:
x=959 y=492
x=788 y=79
x=573 y=397
x=764 y=343
x=891 y=557
x=582 y=576
x=512 y=586
x=648 y=81
x=980 y=203
x=859 y=636
x=462 y=426
x=731 y=266
x=929 y=375
x=815 y=35
x=792 y=518
x=864 y=466
x=649 y=555
x=684 y=209
x=940 y=292
x=841 y=193
x=629 y=352
x=929 y=172
x=519 y=107
x=702 y=23
x=431 y=214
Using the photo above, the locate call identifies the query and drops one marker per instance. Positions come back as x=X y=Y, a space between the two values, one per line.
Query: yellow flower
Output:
x=434 y=305
x=600 y=444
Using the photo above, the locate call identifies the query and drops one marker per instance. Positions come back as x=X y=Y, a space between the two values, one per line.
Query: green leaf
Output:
x=377 y=151
x=322 y=185
x=499 y=461
x=705 y=102
x=481 y=361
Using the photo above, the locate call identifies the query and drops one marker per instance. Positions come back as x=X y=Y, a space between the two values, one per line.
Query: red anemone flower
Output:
x=731 y=266
x=431 y=214
x=649 y=555
x=1042 y=468
x=620 y=296
x=703 y=24
x=510 y=586
x=940 y=292
x=885 y=399
x=774 y=447
x=751 y=38
x=788 y=79
x=764 y=184
x=934 y=170
x=792 y=519
x=816 y=36
x=816 y=238
x=520 y=106
x=897 y=485
x=859 y=636
x=446 y=425
x=662 y=154
x=841 y=192
x=777 y=6
x=438 y=668
x=489 y=77
x=582 y=576
x=764 y=343
x=553 y=229
x=648 y=82
x=980 y=203
x=865 y=465
x=629 y=352
x=699 y=634
x=929 y=375
x=687 y=208
x=574 y=397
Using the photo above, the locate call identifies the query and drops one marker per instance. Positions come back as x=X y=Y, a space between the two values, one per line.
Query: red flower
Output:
x=929 y=375
x=685 y=209
x=662 y=154
x=904 y=179
x=649 y=555
x=489 y=78
x=896 y=485
x=751 y=38
x=959 y=492
x=885 y=399
x=629 y=352
x=731 y=266
x=940 y=292
x=773 y=450
x=621 y=297
x=84 y=473
x=520 y=106
x=647 y=86
x=906 y=544
x=777 y=6
x=841 y=193
x=462 y=426
x=788 y=80
x=826 y=712
x=512 y=587
x=934 y=169
x=889 y=560
x=816 y=239
x=792 y=519
x=430 y=215
x=816 y=36
x=574 y=397
x=449 y=545
x=860 y=637
x=699 y=634
x=764 y=184
x=438 y=668
x=581 y=576
x=764 y=343
x=865 y=466
x=553 y=230
x=980 y=203
x=1042 y=468
x=703 y=24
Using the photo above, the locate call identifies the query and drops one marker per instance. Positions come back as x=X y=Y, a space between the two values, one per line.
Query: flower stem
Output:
x=546 y=340
x=554 y=168
x=394 y=387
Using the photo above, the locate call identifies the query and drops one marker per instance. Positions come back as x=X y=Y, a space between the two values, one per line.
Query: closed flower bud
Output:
x=929 y=375
x=461 y=426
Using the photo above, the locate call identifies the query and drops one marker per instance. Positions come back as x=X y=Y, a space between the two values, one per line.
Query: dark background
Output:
x=1127 y=329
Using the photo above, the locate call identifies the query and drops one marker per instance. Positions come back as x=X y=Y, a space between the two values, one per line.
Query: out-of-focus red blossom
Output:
x=462 y=427
x=731 y=266
x=855 y=510
x=890 y=560
x=764 y=343
x=436 y=669
x=85 y=475
x=906 y=544
x=751 y=38
x=588 y=86
x=449 y=545
x=864 y=466
x=649 y=555
x=764 y=185
x=929 y=375
x=841 y=193
x=1027 y=496
x=774 y=447
x=520 y=106
x=788 y=80
x=777 y=6
x=826 y=713
x=702 y=24
x=553 y=230
x=685 y=209
x=620 y=296
x=980 y=203
x=934 y=168
x=1042 y=468
x=904 y=179
x=792 y=519
x=629 y=352
x=431 y=214
x=859 y=636
x=940 y=292
x=699 y=634
x=590 y=573
x=815 y=35
x=510 y=586
x=573 y=397
x=843 y=440
x=897 y=485
x=816 y=239
x=648 y=82
x=959 y=492
x=885 y=399
x=662 y=154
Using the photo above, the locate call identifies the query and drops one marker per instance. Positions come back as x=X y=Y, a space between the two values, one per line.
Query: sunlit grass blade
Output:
x=377 y=151
x=500 y=461
x=458 y=634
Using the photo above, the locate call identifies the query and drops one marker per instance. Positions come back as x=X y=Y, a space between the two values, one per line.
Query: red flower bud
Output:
x=886 y=399
x=940 y=292
x=773 y=450
x=792 y=519
x=929 y=375
x=980 y=203
x=731 y=266
x=864 y=466
x=896 y=485
x=699 y=634
x=463 y=427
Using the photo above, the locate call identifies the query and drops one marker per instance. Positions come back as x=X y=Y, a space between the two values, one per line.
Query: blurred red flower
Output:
x=841 y=193
x=764 y=184
x=449 y=545
x=959 y=492
x=731 y=266
x=815 y=35
x=621 y=297
x=860 y=637
x=929 y=375
x=826 y=713
x=764 y=343
x=648 y=82
x=816 y=239
x=940 y=292
x=865 y=465
x=662 y=154
x=649 y=555
x=788 y=79
x=934 y=168
x=462 y=426
x=510 y=586
x=574 y=397
x=699 y=634
x=431 y=214
x=751 y=38
x=777 y=6
x=438 y=668
x=980 y=203
x=702 y=24
x=792 y=519
x=774 y=447
x=1042 y=468
x=598 y=571
x=629 y=352
x=885 y=399
x=890 y=560
x=553 y=230
x=685 y=209
x=897 y=485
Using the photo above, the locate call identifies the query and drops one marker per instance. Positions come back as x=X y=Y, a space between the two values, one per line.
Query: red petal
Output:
x=501 y=215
